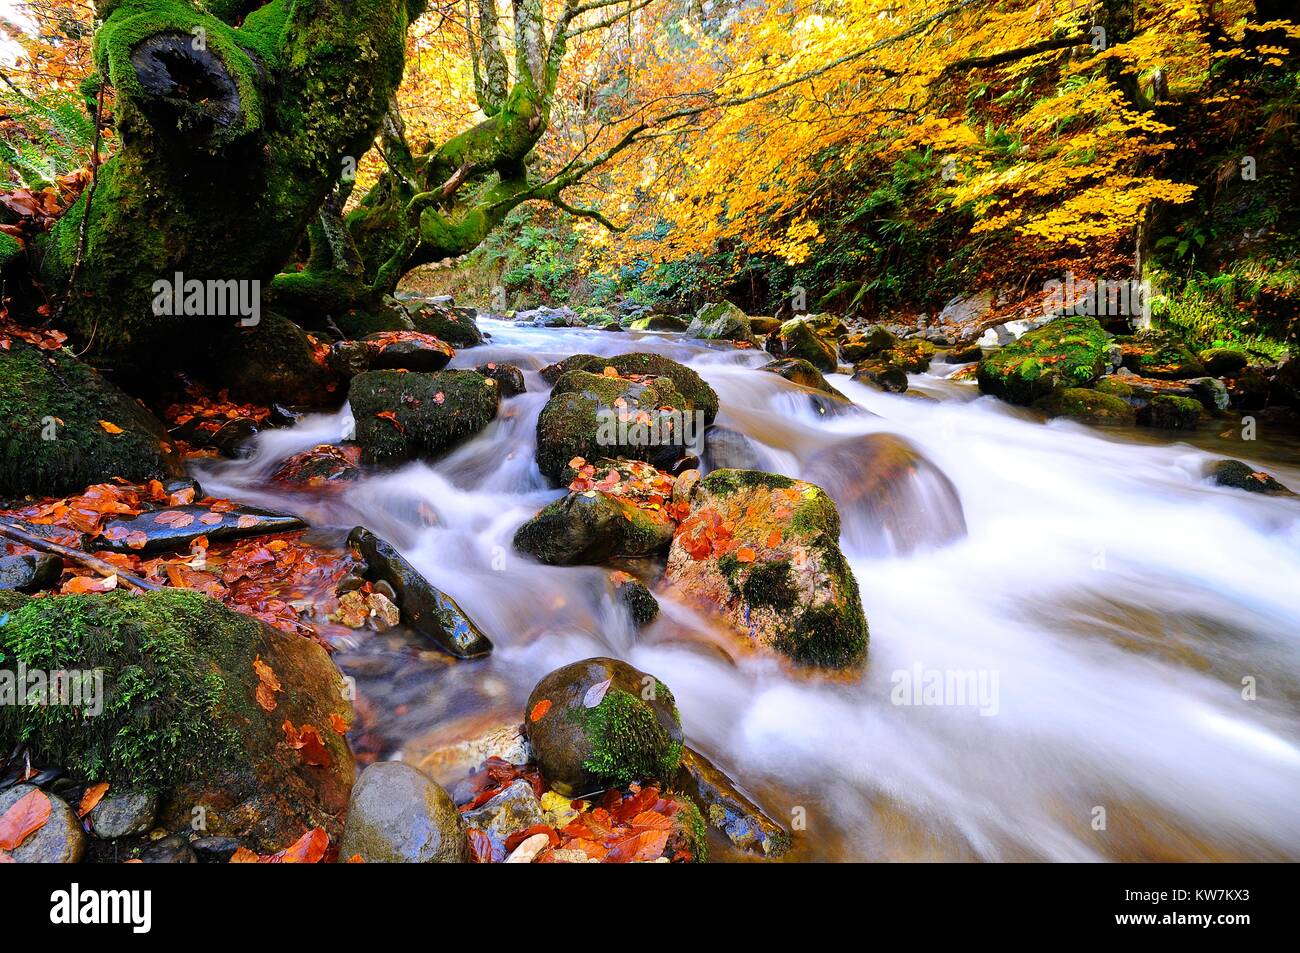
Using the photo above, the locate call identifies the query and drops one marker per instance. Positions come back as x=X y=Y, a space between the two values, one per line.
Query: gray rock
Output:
x=399 y=815
x=170 y=850
x=30 y=572
x=213 y=849
x=514 y=809
x=124 y=813
x=1210 y=391
x=59 y=841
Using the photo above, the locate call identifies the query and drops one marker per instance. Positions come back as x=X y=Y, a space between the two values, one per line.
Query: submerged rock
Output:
x=892 y=499
x=424 y=607
x=182 y=713
x=323 y=465
x=59 y=840
x=408 y=416
x=798 y=371
x=725 y=448
x=728 y=809
x=1070 y=351
x=65 y=427
x=397 y=815
x=601 y=723
x=721 y=322
x=763 y=550
x=1242 y=476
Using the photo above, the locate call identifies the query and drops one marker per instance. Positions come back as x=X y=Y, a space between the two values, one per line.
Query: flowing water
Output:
x=1109 y=610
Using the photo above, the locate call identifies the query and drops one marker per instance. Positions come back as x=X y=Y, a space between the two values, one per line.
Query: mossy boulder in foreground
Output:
x=1071 y=351
x=601 y=723
x=405 y=416
x=179 y=711
x=65 y=427
x=764 y=551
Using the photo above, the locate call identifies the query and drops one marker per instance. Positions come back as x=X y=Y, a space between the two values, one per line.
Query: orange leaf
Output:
x=338 y=724
x=173 y=518
x=93 y=795
x=110 y=427
x=391 y=417
x=24 y=818
x=540 y=709
x=267 y=684
x=745 y=555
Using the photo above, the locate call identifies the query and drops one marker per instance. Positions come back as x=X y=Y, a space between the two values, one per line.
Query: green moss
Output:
x=456 y=327
x=432 y=412
x=696 y=832
x=913 y=355
x=1067 y=352
x=698 y=394
x=1081 y=403
x=1170 y=412
x=726 y=482
x=52 y=405
x=799 y=338
x=167 y=711
x=627 y=741
x=10 y=249
x=1159 y=354
x=1223 y=360
x=1114 y=386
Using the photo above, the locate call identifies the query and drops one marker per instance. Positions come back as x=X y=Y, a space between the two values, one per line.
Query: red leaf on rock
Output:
x=93 y=795
x=24 y=818
x=540 y=709
x=480 y=846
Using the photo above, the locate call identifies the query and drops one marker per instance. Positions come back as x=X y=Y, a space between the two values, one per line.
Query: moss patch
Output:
x=1067 y=352
x=627 y=741
x=430 y=412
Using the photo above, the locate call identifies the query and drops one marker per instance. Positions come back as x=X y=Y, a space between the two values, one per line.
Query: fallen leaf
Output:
x=540 y=709
x=596 y=694
x=24 y=818
x=267 y=684
x=93 y=795
x=110 y=427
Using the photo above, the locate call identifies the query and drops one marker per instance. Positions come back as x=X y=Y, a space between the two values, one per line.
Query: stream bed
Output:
x=1115 y=640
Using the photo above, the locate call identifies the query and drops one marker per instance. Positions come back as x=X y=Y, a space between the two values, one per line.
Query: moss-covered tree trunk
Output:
x=235 y=121
x=441 y=201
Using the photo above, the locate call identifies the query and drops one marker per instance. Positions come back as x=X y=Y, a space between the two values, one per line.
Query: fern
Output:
x=44 y=138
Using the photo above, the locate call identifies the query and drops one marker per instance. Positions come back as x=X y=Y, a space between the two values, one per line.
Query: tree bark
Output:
x=231 y=139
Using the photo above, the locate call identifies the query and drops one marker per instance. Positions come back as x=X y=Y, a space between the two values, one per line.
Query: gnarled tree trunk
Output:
x=234 y=125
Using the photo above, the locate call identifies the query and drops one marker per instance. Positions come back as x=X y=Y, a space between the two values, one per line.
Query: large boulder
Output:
x=626 y=410
x=592 y=526
x=398 y=815
x=65 y=427
x=721 y=322
x=182 y=709
x=763 y=550
x=407 y=416
x=601 y=723
x=1071 y=351
x=273 y=361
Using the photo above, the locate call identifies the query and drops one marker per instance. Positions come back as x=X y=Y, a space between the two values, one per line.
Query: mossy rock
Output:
x=721 y=322
x=591 y=527
x=865 y=344
x=54 y=442
x=1219 y=361
x=273 y=362
x=10 y=250
x=1168 y=412
x=1160 y=354
x=430 y=413
x=913 y=355
x=600 y=723
x=508 y=377
x=593 y=415
x=659 y=322
x=635 y=597
x=778 y=576
x=1086 y=405
x=798 y=371
x=1242 y=476
x=1070 y=351
x=800 y=338
x=179 y=713
x=643 y=364
x=456 y=326
x=362 y=323
x=1115 y=387
x=881 y=375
